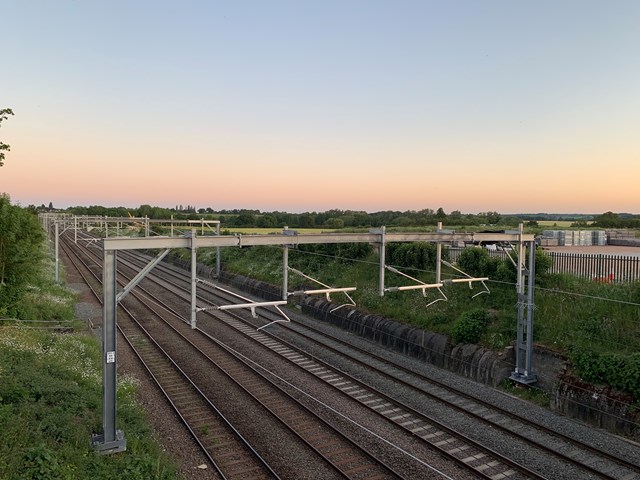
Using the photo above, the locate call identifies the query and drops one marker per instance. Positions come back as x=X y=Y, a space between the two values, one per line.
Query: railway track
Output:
x=345 y=457
x=469 y=454
x=589 y=460
x=229 y=453
x=302 y=345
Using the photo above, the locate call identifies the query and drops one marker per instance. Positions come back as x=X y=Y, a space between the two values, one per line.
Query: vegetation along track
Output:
x=592 y=464
x=347 y=459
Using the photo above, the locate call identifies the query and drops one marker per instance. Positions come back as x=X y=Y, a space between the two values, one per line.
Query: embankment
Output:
x=570 y=396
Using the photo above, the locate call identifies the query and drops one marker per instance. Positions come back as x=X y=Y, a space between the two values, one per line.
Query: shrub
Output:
x=621 y=372
x=471 y=326
x=473 y=260
x=20 y=249
x=421 y=255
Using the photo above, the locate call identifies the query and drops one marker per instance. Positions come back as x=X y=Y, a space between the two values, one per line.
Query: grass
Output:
x=571 y=314
x=50 y=398
x=50 y=403
x=558 y=223
x=529 y=393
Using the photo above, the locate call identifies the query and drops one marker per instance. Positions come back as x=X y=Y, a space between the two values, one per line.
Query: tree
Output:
x=246 y=219
x=334 y=222
x=21 y=239
x=3 y=146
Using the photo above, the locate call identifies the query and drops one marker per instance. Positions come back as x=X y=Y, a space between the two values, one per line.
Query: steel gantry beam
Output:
x=139 y=243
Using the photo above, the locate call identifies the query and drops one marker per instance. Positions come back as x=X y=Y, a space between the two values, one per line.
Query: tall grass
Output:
x=50 y=396
x=50 y=403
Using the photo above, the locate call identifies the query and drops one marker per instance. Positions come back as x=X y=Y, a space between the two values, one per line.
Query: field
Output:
x=558 y=223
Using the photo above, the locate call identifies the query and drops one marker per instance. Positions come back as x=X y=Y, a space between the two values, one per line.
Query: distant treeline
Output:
x=353 y=218
x=606 y=220
x=328 y=219
x=616 y=220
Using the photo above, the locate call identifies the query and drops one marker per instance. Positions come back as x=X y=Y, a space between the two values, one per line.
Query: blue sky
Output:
x=465 y=105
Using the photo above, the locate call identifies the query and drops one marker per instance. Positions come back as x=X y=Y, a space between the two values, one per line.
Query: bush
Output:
x=20 y=250
x=420 y=255
x=471 y=326
x=473 y=261
x=621 y=372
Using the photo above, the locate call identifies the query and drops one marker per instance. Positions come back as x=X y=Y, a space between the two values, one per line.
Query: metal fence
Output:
x=598 y=267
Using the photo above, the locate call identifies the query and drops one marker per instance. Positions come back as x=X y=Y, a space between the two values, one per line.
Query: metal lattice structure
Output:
x=113 y=441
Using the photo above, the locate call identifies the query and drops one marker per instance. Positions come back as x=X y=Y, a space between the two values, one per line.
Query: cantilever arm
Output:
x=326 y=291
x=468 y=280
x=421 y=286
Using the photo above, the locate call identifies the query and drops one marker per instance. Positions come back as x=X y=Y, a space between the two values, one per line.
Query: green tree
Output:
x=20 y=250
x=607 y=220
x=246 y=219
x=4 y=113
x=334 y=222
x=267 y=221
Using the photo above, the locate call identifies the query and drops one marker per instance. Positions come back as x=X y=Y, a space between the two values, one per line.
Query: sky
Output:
x=470 y=105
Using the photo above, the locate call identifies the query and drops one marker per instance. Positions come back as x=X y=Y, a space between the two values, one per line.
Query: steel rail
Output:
x=633 y=467
x=479 y=469
x=465 y=409
x=241 y=442
x=338 y=466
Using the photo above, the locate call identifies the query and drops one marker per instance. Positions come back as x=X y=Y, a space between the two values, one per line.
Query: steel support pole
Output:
x=530 y=307
x=520 y=289
x=75 y=229
x=146 y=226
x=171 y=225
x=194 y=266
x=383 y=260
x=523 y=372
x=285 y=272
x=111 y=440
x=218 y=251
x=57 y=234
x=439 y=257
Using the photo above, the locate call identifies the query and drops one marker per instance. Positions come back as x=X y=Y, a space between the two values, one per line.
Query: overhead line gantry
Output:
x=113 y=441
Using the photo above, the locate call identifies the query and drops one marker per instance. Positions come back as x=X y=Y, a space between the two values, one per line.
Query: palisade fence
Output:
x=598 y=267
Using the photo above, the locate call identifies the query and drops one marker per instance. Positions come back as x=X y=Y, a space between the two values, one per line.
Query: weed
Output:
x=529 y=393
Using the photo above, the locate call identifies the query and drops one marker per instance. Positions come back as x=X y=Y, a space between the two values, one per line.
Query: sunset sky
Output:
x=470 y=105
